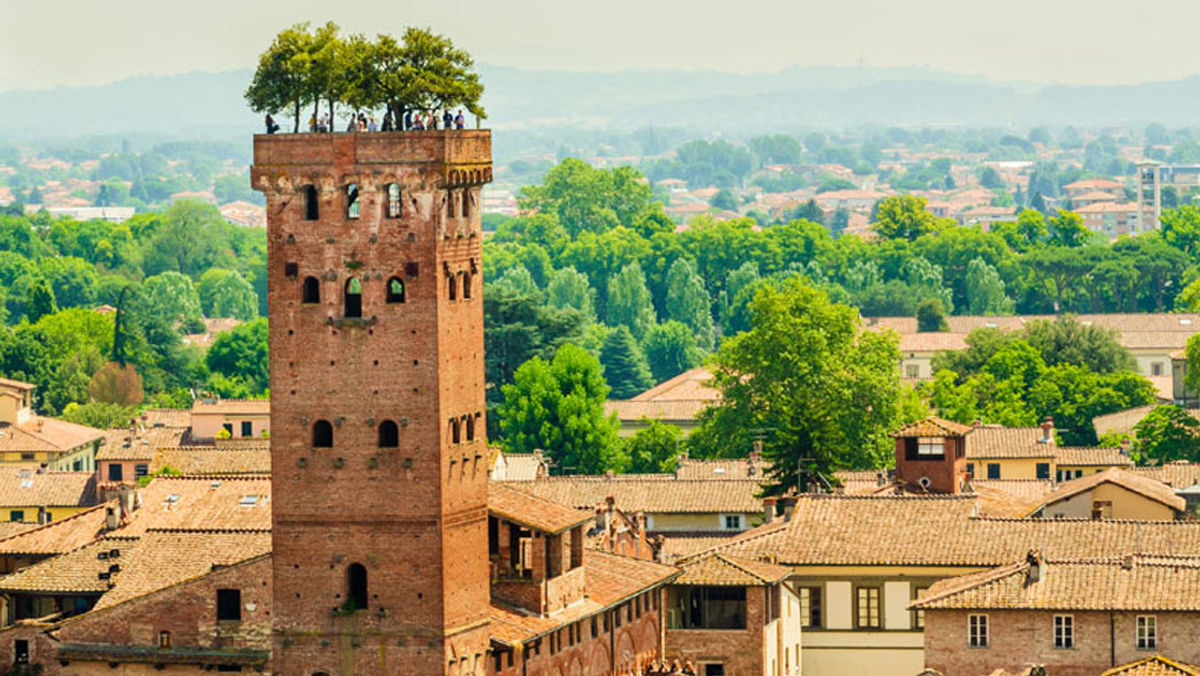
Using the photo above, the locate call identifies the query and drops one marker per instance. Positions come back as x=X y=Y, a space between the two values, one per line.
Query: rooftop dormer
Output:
x=931 y=455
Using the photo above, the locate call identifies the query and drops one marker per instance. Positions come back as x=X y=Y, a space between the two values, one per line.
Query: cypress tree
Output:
x=625 y=366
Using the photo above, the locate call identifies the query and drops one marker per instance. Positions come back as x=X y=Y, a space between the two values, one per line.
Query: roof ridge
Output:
x=208 y=531
x=49 y=524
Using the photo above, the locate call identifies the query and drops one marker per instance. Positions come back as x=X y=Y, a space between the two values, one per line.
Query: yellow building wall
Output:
x=863 y=653
x=709 y=521
x=31 y=513
x=9 y=406
x=1125 y=505
x=1011 y=468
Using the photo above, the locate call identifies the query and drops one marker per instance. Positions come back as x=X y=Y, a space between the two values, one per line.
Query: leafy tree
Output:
x=173 y=296
x=654 y=449
x=1167 y=433
x=688 y=301
x=569 y=288
x=827 y=392
x=670 y=350
x=595 y=200
x=1191 y=378
x=279 y=82
x=40 y=300
x=629 y=302
x=518 y=280
x=625 y=367
x=423 y=71
x=724 y=199
x=931 y=316
x=99 y=415
x=518 y=327
x=116 y=384
x=985 y=290
x=225 y=293
x=1067 y=229
x=73 y=280
x=904 y=217
x=1181 y=229
x=558 y=406
x=990 y=179
x=189 y=239
x=776 y=149
x=1065 y=340
x=242 y=355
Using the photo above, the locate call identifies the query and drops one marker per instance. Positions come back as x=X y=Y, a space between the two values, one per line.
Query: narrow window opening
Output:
x=452 y=284
x=466 y=203
x=311 y=210
x=352 y=206
x=164 y=639
x=356 y=587
x=312 y=290
x=389 y=434
x=229 y=604
x=466 y=282
x=470 y=428
x=322 y=435
x=454 y=431
x=291 y=269
x=395 y=290
x=393 y=200
x=353 y=298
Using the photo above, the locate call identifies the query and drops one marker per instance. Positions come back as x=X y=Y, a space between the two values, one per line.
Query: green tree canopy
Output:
x=654 y=449
x=1167 y=433
x=629 y=302
x=671 y=350
x=625 y=367
x=225 y=293
x=173 y=296
x=688 y=302
x=241 y=355
x=570 y=288
x=904 y=217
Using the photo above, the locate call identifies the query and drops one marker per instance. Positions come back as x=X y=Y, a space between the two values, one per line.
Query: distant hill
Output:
x=210 y=105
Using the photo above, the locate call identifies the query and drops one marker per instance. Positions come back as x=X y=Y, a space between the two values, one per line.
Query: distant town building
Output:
x=110 y=214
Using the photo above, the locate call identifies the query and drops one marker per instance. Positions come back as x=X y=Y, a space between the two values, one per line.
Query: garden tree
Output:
x=225 y=293
x=776 y=149
x=518 y=280
x=499 y=257
x=98 y=414
x=1191 y=378
x=718 y=163
x=569 y=288
x=72 y=377
x=279 y=82
x=73 y=280
x=629 y=302
x=688 y=302
x=654 y=449
x=1159 y=266
x=1167 y=433
x=905 y=217
x=518 y=327
x=670 y=350
x=826 y=392
x=423 y=71
x=558 y=406
x=985 y=290
x=925 y=280
x=724 y=199
x=1181 y=229
x=990 y=179
x=325 y=69
x=39 y=300
x=116 y=384
x=172 y=296
x=1065 y=340
x=931 y=316
x=1067 y=229
x=595 y=200
x=1061 y=267
x=737 y=279
x=625 y=367
x=240 y=357
x=189 y=239
x=602 y=256
x=542 y=228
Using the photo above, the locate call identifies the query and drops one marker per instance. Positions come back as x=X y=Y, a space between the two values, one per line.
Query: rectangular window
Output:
x=247 y=428
x=116 y=472
x=912 y=370
x=595 y=629
x=733 y=521
x=27 y=456
x=867 y=608
x=352 y=206
x=228 y=427
x=21 y=651
x=1147 y=632
x=690 y=607
x=931 y=446
x=977 y=631
x=971 y=469
x=714 y=670
x=993 y=470
x=810 y=607
x=918 y=618
x=1043 y=470
x=1064 y=631
x=229 y=604
x=1156 y=368
x=141 y=470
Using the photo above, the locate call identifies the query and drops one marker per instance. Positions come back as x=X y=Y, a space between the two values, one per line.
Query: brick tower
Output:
x=379 y=463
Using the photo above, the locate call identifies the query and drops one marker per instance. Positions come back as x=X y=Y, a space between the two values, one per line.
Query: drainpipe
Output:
x=1112 y=639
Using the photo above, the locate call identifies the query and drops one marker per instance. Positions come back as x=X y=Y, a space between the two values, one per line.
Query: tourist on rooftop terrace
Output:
x=372 y=125
x=271 y=126
x=387 y=121
x=417 y=124
x=447 y=119
x=459 y=120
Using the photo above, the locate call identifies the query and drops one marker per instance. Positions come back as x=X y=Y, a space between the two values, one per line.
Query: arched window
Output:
x=389 y=434
x=470 y=419
x=466 y=283
x=454 y=431
x=311 y=209
x=356 y=587
x=466 y=203
x=312 y=290
x=395 y=290
x=352 y=200
x=322 y=434
x=452 y=286
x=353 y=298
x=393 y=203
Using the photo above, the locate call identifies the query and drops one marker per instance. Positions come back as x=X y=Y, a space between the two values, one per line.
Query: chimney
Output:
x=977 y=423
x=42 y=468
x=755 y=458
x=1036 y=566
x=601 y=517
x=112 y=518
x=609 y=474
x=1127 y=562
x=768 y=509
x=1126 y=445
x=788 y=503
x=1047 y=431
x=881 y=478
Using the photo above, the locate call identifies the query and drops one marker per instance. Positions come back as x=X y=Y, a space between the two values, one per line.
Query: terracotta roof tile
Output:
x=241 y=406
x=932 y=426
x=166 y=558
x=728 y=468
x=74 y=571
x=687 y=386
x=59 y=536
x=632 y=411
x=24 y=486
x=676 y=545
x=16 y=384
x=1178 y=474
x=1142 y=485
x=994 y=441
x=208 y=460
x=864 y=530
x=523 y=466
x=1121 y=422
x=1129 y=583
x=530 y=510
x=118 y=445
x=40 y=433
x=167 y=417
x=1091 y=457
x=651 y=494
x=228 y=503
x=1155 y=665
x=716 y=569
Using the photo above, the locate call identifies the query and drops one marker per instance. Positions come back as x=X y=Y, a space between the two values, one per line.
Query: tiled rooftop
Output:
x=118 y=445
x=75 y=571
x=1095 y=457
x=59 y=536
x=996 y=442
x=1155 y=665
x=25 y=486
x=44 y=434
x=229 y=503
x=653 y=494
x=208 y=460
x=716 y=569
x=532 y=511
x=1142 y=485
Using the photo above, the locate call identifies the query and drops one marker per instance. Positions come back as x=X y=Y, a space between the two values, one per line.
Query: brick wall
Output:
x=415 y=515
x=1018 y=638
x=740 y=650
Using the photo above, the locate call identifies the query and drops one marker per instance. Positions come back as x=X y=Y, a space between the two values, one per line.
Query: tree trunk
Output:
x=331 y=115
x=296 y=124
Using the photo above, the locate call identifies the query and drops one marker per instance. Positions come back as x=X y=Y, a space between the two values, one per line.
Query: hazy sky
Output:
x=70 y=42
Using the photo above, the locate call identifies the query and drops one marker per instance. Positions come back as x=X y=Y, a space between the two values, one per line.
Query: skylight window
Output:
x=172 y=499
x=248 y=500
x=27 y=483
